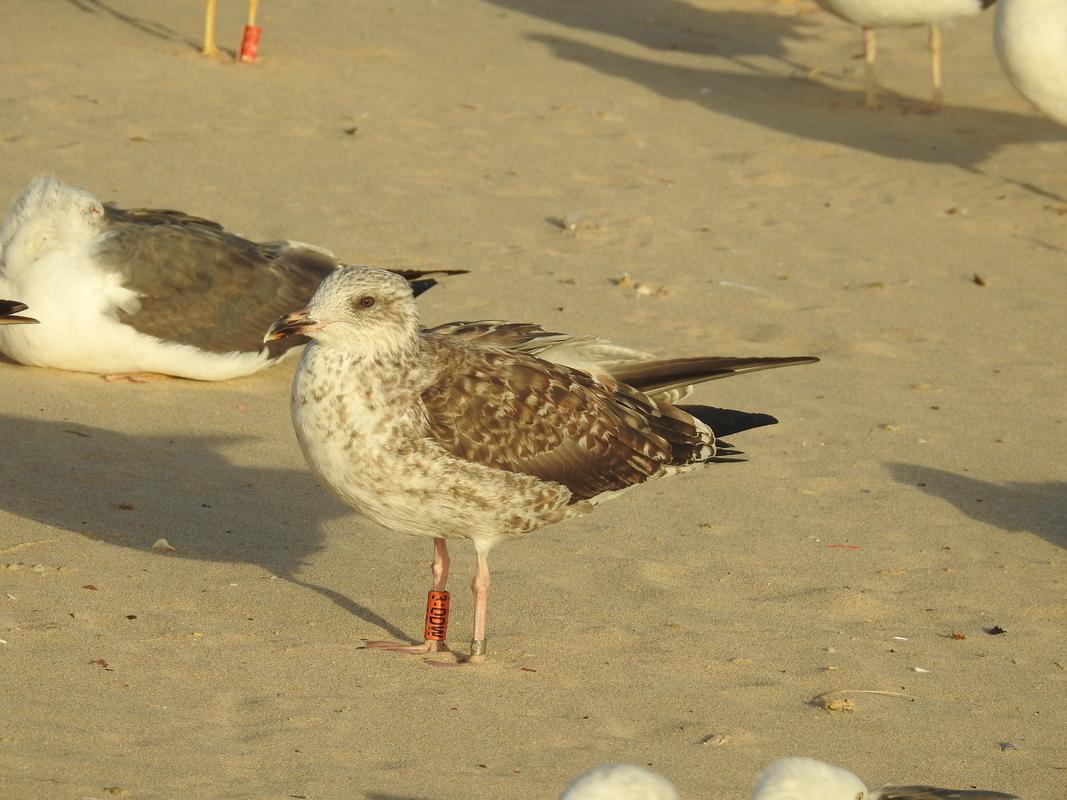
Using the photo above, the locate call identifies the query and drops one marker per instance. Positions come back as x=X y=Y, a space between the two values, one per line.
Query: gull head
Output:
x=358 y=310
x=807 y=779
x=48 y=215
x=619 y=782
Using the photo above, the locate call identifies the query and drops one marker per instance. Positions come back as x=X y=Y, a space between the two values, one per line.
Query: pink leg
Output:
x=870 y=53
x=480 y=587
x=439 y=568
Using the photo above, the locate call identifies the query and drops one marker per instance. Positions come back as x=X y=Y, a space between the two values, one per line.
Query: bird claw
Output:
x=429 y=646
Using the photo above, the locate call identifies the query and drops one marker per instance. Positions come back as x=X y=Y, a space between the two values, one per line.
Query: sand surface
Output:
x=716 y=149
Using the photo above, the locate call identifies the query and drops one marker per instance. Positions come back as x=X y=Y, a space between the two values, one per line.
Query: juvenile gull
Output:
x=8 y=311
x=148 y=290
x=476 y=430
x=871 y=14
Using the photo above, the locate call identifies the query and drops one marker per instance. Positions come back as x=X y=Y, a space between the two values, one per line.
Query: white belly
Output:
x=892 y=13
x=1031 y=42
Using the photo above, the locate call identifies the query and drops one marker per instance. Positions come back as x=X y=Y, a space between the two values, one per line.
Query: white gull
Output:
x=476 y=431
x=784 y=779
x=1031 y=42
x=147 y=290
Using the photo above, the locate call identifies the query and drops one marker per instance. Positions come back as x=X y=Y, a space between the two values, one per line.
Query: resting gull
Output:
x=871 y=14
x=146 y=290
x=1031 y=42
x=8 y=311
x=785 y=779
x=477 y=431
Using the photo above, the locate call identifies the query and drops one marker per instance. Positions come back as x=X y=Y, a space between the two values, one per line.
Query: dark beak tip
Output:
x=289 y=325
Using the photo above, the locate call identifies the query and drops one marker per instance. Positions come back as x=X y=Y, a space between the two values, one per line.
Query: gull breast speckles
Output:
x=473 y=431
x=147 y=290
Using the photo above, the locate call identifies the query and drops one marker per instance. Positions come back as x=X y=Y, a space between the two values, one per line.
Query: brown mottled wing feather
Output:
x=521 y=414
x=932 y=793
x=497 y=333
x=672 y=373
x=204 y=286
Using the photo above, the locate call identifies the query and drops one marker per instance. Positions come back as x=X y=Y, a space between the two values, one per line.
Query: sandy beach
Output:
x=718 y=153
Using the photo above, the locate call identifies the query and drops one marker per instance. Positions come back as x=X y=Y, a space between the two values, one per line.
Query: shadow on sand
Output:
x=1039 y=508
x=75 y=477
x=674 y=25
x=141 y=24
x=960 y=135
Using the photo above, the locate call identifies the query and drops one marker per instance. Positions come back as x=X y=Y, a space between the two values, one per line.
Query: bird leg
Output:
x=870 y=51
x=480 y=588
x=935 y=67
x=209 y=48
x=136 y=377
x=436 y=610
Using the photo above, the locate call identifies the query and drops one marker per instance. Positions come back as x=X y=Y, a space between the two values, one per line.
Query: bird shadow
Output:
x=130 y=491
x=675 y=25
x=961 y=135
x=1039 y=508
x=156 y=29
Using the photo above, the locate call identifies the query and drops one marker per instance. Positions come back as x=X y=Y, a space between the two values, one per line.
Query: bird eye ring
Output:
x=365 y=302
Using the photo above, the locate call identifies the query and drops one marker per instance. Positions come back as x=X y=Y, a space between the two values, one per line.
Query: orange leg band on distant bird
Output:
x=436 y=629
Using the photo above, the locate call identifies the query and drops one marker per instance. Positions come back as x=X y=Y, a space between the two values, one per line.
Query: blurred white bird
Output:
x=808 y=779
x=1031 y=42
x=619 y=782
x=785 y=779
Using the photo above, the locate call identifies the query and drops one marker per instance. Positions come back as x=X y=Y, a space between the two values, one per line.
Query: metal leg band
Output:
x=478 y=647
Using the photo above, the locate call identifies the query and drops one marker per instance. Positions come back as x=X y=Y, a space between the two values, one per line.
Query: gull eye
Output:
x=365 y=302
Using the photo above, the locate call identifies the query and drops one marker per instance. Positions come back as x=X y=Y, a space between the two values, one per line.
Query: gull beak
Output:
x=299 y=323
x=8 y=308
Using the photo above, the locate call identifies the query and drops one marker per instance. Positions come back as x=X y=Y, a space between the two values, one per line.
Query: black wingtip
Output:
x=422 y=285
x=727 y=421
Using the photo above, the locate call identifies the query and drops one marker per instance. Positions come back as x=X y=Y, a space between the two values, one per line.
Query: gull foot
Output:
x=429 y=646
x=136 y=377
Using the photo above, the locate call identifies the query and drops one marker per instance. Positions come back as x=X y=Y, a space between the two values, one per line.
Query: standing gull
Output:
x=871 y=14
x=147 y=290
x=1031 y=42
x=453 y=433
